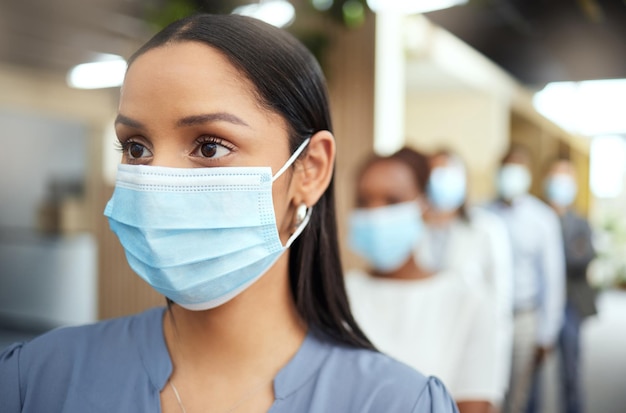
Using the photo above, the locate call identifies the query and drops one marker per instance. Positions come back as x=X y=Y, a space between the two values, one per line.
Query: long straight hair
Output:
x=289 y=82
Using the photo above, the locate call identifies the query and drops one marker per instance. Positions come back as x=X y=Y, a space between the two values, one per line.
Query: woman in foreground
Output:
x=223 y=203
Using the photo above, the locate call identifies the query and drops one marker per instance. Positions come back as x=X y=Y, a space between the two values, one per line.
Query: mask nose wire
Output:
x=292 y=159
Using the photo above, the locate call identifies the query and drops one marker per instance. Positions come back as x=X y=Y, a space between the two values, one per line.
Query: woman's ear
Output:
x=314 y=169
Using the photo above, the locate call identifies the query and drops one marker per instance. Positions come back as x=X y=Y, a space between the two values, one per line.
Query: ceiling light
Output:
x=412 y=6
x=591 y=107
x=606 y=169
x=107 y=71
x=279 y=13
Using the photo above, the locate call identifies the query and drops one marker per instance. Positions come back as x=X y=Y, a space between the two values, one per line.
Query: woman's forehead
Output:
x=186 y=77
x=185 y=63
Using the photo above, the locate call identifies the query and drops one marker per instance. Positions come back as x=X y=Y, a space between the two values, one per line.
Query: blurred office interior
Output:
x=473 y=78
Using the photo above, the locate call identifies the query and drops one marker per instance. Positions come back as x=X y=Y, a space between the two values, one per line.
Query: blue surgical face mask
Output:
x=561 y=189
x=446 y=188
x=386 y=236
x=199 y=236
x=513 y=180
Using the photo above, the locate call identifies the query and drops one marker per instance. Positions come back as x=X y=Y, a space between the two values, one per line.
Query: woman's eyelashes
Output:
x=205 y=147
x=212 y=147
x=133 y=150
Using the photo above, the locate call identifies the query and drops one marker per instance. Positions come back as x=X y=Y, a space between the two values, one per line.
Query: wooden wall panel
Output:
x=350 y=75
x=121 y=291
x=582 y=204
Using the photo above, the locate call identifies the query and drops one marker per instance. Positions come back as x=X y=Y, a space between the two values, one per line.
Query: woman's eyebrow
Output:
x=194 y=120
x=124 y=120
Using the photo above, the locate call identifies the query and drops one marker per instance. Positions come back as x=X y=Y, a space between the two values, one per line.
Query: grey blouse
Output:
x=122 y=365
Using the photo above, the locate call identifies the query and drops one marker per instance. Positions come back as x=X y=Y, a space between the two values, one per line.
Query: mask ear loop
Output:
x=287 y=164
x=292 y=159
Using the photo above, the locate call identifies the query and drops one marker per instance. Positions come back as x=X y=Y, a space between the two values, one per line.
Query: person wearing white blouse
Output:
x=434 y=321
x=470 y=242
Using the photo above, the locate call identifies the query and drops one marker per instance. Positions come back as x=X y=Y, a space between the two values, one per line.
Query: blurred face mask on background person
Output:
x=446 y=188
x=561 y=189
x=199 y=236
x=386 y=236
x=513 y=180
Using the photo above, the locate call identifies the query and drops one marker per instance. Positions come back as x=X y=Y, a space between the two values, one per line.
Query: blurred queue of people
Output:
x=476 y=295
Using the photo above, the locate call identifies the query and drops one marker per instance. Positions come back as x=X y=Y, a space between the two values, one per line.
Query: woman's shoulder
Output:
x=375 y=368
x=44 y=368
x=350 y=379
x=386 y=384
x=110 y=334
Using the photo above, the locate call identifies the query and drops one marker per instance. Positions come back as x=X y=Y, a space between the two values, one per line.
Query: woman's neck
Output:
x=257 y=332
x=439 y=218
x=560 y=210
x=411 y=270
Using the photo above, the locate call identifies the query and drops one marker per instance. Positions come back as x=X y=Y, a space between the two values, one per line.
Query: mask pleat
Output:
x=173 y=285
x=166 y=248
x=176 y=211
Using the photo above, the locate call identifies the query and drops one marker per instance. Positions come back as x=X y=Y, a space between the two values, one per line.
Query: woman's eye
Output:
x=212 y=149
x=136 y=150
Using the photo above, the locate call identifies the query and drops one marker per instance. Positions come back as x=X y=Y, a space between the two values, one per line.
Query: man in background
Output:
x=560 y=191
x=538 y=273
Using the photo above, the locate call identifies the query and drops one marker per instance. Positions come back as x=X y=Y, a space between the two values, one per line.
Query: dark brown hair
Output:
x=416 y=161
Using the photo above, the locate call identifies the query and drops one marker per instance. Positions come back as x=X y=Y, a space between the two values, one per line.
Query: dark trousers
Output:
x=569 y=351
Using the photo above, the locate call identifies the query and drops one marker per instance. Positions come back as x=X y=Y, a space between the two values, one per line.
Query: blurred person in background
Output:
x=538 y=273
x=469 y=242
x=560 y=191
x=434 y=321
